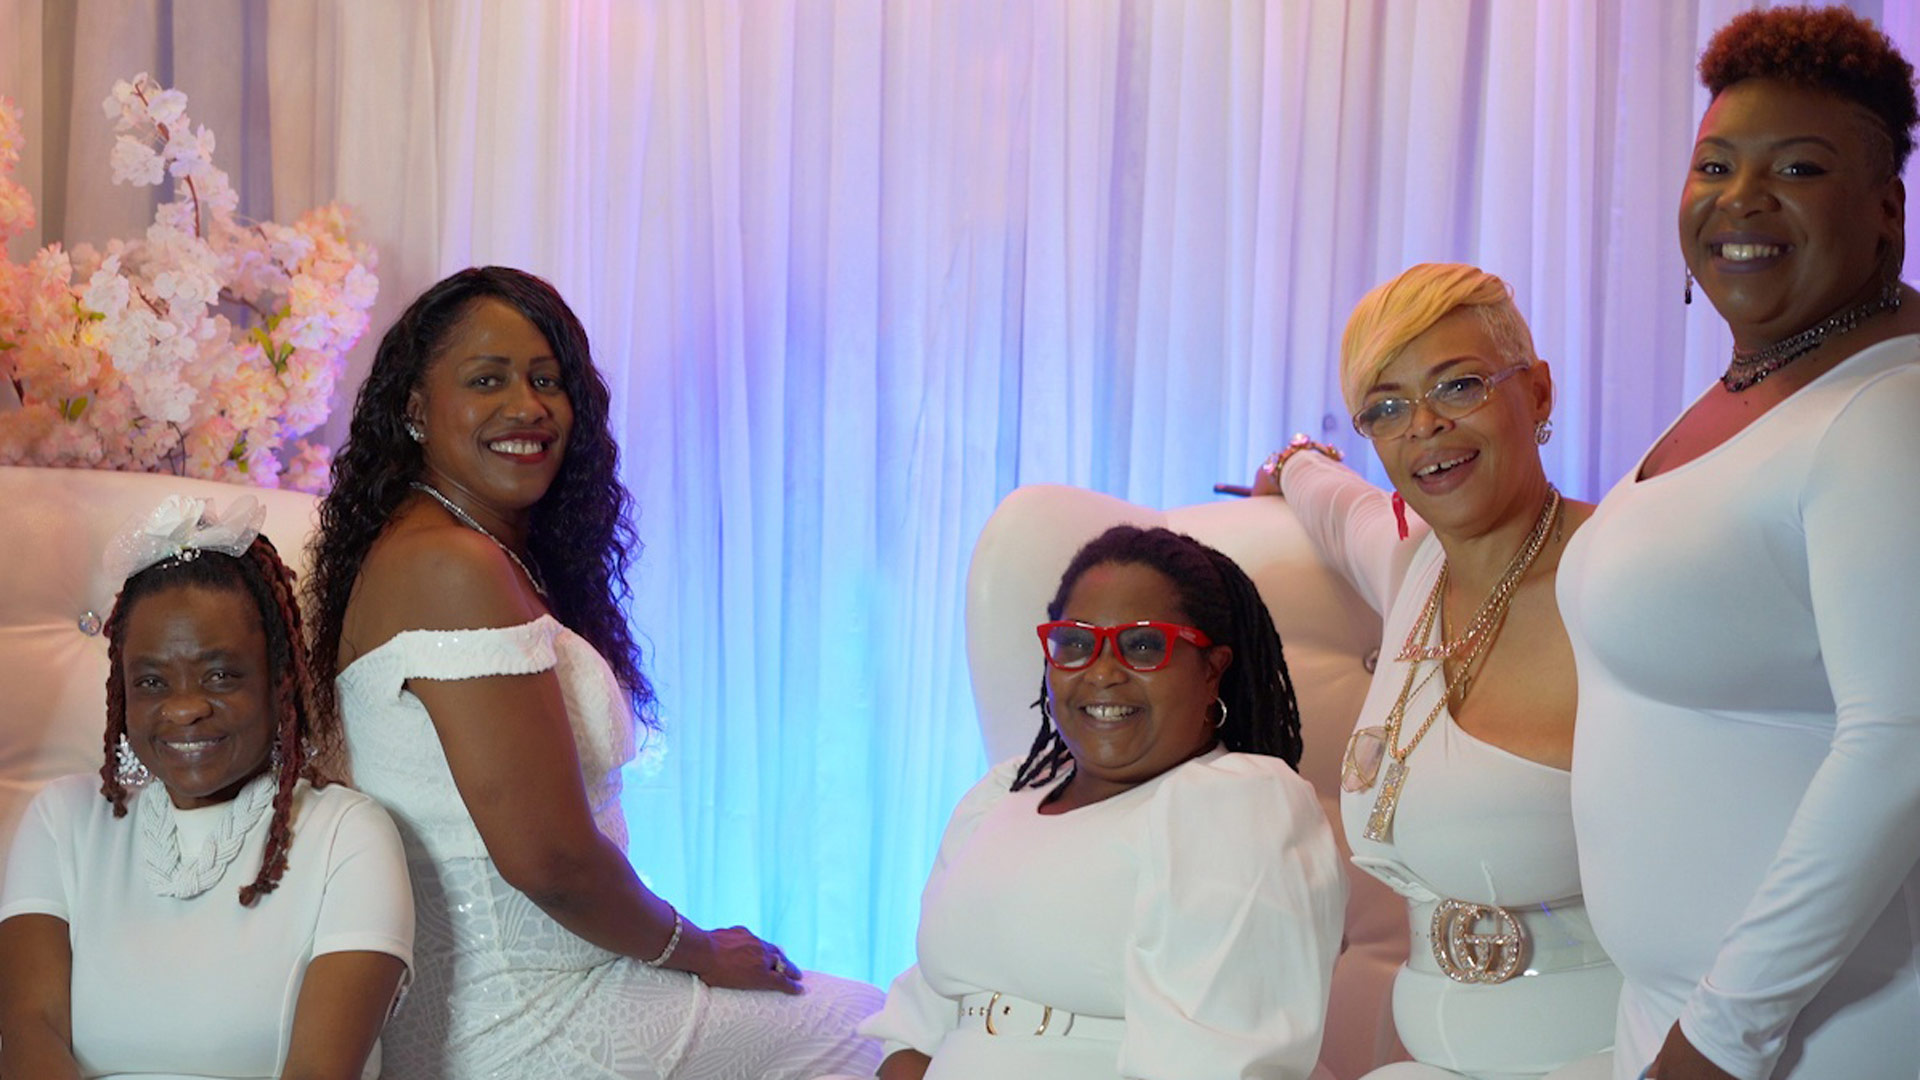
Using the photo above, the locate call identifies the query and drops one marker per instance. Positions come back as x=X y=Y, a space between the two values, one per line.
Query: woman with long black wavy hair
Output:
x=467 y=585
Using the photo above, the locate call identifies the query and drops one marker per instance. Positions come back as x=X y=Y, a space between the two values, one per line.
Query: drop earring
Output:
x=128 y=768
x=1543 y=432
x=1688 y=295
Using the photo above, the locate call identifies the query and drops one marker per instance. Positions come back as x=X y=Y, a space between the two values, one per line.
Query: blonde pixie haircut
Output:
x=1387 y=319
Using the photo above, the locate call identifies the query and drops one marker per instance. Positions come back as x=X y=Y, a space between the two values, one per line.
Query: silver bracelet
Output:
x=673 y=942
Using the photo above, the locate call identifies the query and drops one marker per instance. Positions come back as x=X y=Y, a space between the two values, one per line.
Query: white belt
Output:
x=1470 y=942
x=1003 y=1014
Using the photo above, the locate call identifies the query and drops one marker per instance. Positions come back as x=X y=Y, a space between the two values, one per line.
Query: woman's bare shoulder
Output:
x=427 y=574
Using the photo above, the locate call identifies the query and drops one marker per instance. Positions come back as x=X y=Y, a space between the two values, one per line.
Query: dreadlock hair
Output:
x=301 y=736
x=1262 y=715
x=580 y=538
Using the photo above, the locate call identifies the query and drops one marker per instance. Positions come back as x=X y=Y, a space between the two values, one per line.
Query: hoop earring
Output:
x=414 y=432
x=1688 y=295
x=1543 y=431
x=128 y=768
x=1222 y=721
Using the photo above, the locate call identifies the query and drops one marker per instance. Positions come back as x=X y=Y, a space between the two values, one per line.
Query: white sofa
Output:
x=53 y=660
x=1330 y=636
x=53 y=595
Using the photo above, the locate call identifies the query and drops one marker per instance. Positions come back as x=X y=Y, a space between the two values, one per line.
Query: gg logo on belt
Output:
x=1469 y=954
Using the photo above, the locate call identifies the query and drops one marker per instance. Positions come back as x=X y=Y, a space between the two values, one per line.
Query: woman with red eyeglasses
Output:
x=1455 y=782
x=1153 y=892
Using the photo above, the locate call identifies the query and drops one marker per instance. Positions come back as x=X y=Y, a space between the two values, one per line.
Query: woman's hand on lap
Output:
x=737 y=959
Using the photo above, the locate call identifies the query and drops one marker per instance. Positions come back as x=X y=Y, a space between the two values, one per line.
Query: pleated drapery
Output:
x=855 y=270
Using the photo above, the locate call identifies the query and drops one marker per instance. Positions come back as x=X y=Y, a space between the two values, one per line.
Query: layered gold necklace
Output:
x=1470 y=650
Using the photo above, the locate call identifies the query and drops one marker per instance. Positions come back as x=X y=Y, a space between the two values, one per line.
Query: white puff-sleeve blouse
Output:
x=1202 y=909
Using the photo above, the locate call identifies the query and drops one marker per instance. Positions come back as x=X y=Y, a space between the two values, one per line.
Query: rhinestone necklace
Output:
x=1749 y=367
x=467 y=519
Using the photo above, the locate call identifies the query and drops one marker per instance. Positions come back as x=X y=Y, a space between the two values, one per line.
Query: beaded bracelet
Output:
x=673 y=943
x=1278 y=459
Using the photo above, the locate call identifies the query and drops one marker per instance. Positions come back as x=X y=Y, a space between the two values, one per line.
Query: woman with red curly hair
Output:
x=1744 y=607
x=206 y=906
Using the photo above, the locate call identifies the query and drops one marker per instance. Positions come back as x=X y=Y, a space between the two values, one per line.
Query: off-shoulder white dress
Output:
x=501 y=989
x=1192 y=922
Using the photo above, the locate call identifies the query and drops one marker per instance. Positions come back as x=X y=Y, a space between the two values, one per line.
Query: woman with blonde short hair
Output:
x=1455 y=782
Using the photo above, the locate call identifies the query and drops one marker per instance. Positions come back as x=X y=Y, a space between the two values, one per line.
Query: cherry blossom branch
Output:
x=166 y=136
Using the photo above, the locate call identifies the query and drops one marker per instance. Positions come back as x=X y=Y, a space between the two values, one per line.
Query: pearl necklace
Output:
x=466 y=519
x=1748 y=367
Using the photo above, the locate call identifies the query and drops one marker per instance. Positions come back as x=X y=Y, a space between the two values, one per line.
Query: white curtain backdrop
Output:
x=856 y=269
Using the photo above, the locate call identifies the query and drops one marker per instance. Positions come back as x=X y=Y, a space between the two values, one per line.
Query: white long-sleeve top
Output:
x=1746 y=781
x=1203 y=908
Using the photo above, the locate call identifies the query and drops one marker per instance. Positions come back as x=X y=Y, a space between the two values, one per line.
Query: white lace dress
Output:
x=501 y=990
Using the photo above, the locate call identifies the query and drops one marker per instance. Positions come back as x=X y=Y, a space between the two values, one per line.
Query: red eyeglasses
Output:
x=1140 y=646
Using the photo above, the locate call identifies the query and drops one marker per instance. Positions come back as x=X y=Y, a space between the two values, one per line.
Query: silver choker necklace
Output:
x=467 y=519
x=1747 y=369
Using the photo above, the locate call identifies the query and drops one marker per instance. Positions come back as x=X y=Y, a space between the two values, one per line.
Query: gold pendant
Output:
x=1361 y=765
x=1380 y=822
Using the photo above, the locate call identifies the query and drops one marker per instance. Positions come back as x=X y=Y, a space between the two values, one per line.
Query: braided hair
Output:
x=302 y=737
x=580 y=538
x=1262 y=715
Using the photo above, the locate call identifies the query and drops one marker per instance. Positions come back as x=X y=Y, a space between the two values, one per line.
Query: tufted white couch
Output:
x=53 y=595
x=1330 y=636
x=53 y=660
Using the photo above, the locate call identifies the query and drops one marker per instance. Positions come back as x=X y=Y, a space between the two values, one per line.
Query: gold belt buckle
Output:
x=1470 y=954
x=1046 y=1016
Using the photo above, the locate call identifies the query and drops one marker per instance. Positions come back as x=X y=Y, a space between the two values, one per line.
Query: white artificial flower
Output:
x=134 y=162
x=167 y=106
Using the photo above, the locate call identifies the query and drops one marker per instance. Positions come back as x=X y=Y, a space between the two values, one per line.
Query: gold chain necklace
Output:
x=1493 y=608
x=1380 y=820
